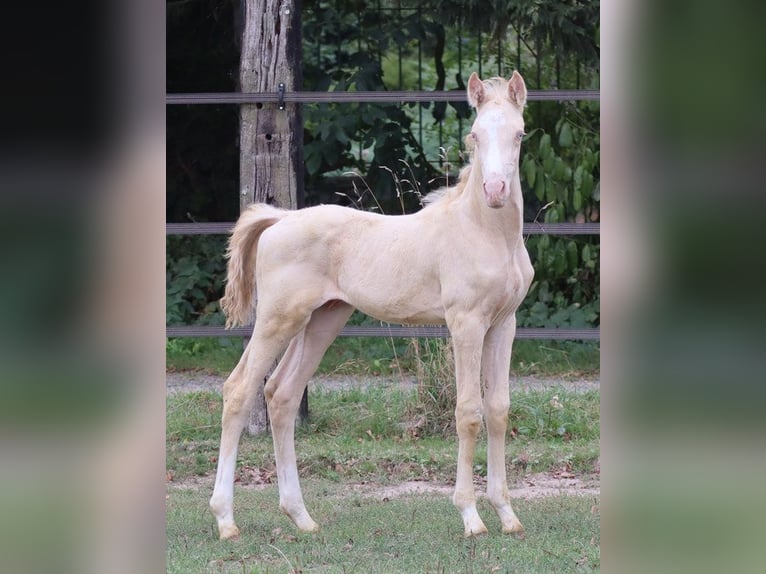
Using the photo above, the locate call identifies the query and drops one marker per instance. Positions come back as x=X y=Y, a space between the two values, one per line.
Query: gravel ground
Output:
x=189 y=381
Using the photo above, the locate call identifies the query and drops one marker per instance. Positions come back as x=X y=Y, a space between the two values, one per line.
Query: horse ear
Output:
x=517 y=90
x=475 y=90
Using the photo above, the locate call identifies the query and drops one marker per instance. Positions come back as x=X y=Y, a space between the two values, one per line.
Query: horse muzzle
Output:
x=495 y=193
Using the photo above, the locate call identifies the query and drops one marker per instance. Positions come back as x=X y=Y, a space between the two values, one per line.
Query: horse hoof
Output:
x=517 y=531
x=476 y=531
x=229 y=532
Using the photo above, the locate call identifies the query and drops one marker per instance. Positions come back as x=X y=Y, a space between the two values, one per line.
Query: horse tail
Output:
x=237 y=302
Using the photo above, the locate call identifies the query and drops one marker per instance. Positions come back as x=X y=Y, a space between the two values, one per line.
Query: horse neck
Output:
x=509 y=219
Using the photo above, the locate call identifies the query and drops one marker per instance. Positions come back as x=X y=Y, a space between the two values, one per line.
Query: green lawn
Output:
x=365 y=437
x=419 y=533
x=384 y=436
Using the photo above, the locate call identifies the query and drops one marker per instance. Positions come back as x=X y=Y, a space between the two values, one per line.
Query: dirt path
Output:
x=528 y=486
x=189 y=381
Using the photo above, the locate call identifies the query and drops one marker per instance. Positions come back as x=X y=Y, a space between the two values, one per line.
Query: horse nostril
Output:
x=494 y=187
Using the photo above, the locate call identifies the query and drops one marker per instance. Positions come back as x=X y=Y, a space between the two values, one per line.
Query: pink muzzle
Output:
x=494 y=193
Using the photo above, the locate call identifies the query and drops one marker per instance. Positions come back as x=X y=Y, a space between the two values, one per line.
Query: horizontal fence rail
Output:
x=366 y=97
x=224 y=228
x=432 y=332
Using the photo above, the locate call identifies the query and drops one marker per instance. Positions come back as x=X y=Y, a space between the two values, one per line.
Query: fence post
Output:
x=271 y=134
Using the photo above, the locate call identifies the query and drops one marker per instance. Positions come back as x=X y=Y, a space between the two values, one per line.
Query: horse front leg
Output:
x=467 y=336
x=496 y=360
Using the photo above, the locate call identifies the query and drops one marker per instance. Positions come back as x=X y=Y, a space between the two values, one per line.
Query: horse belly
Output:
x=393 y=292
x=403 y=314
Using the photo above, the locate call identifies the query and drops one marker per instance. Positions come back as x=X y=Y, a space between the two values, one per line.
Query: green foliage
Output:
x=195 y=272
x=556 y=415
x=215 y=355
x=562 y=169
x=364 y=137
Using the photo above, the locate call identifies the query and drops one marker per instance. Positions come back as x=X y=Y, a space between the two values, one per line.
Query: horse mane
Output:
x=448 y=194
x=495 y=89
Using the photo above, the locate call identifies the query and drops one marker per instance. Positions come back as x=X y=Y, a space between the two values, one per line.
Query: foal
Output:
x=461 y=260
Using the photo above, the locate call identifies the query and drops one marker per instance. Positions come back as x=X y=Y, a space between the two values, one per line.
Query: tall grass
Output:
x=432 y=412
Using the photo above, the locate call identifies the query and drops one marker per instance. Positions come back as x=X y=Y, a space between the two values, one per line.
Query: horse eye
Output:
x=520 y=135
x=474 y=137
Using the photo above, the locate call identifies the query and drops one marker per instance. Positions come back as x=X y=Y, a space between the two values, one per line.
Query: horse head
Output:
x=497 y=132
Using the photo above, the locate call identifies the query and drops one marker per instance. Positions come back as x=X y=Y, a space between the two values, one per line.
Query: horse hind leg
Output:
x=283 y=395
x=269 y=339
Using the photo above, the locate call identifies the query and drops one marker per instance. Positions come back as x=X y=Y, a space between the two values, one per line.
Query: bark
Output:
x=271 y=162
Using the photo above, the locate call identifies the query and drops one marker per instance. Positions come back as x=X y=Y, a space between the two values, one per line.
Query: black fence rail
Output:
x=224 y=228
x=383 y=330
x=363 y=97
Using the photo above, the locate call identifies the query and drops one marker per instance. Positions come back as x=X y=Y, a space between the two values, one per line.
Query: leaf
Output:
x=560 y=263
x=578 y=177
x=565 y=135
x=540 y=188
x=586 y=253
x=559 y=169
x=577 y=200
x=313 y=162
x=530 y=171
x=548 y=162
x=587 y=185
x=545 y=146
x=550 y=195
x=572 y=255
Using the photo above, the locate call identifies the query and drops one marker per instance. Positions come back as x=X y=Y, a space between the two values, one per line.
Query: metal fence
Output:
x=500 y=60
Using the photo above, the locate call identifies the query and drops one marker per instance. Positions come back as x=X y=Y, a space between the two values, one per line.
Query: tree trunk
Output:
x=271 y=134
x=271 y=153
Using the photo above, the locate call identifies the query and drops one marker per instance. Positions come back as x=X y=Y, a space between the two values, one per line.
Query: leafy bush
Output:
x=195 y=272
x=563 y=174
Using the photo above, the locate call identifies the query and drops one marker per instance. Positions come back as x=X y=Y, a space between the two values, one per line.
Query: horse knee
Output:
x=268 y=391
x=468 y=419
x=497 y=416
x=234 y=406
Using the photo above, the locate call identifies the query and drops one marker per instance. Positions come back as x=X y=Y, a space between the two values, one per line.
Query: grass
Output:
x=216 y=355
x=387 y=356
x=364 y=434
x=419 y=533
x=376 y=436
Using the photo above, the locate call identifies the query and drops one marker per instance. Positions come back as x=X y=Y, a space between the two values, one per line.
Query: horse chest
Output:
x=506 y=291
x=495 y=283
